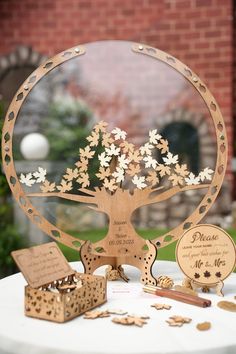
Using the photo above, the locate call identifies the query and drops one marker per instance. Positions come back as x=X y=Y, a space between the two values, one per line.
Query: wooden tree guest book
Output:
x=126 y=165
x=56 y=292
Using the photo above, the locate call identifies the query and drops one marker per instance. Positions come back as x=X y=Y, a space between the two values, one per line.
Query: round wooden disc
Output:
x=206 y=254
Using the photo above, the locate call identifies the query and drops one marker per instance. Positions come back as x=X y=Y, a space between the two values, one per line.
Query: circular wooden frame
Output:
x=38 y=74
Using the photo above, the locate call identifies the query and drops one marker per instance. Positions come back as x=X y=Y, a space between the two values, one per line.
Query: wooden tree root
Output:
x=143 y=262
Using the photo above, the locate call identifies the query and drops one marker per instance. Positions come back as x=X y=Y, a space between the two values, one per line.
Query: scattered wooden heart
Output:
x=161 y=306
x=204 y=326
x=227 y=305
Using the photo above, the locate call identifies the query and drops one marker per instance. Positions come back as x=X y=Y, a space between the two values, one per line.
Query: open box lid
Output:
x=42 y=264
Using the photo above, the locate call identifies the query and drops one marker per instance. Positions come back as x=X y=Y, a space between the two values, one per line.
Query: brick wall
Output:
x=198 y=32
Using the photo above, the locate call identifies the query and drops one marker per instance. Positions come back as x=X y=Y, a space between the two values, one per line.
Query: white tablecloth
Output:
x=24 y=335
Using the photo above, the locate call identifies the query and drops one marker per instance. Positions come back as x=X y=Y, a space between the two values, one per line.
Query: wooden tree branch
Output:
x=88 y=191
x=68 y=196
x=173 y=191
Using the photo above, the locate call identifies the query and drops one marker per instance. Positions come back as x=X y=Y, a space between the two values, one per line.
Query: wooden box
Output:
x=46 y=270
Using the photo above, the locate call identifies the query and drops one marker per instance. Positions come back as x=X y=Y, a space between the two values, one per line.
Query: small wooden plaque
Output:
x=42 y=264
x=206 y=254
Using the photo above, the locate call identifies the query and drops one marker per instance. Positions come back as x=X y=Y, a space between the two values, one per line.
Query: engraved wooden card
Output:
x=42 y=264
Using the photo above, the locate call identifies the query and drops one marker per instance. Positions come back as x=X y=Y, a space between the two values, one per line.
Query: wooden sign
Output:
x=42 y=264
x=206 y=254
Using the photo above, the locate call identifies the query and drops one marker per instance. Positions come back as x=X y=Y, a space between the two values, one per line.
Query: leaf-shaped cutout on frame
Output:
x=7 y=159
x=187 y=225
x=213 y=106
x=76 y=243
x=170 y=60
x=100 y=250
x=222 y=148
x=32 y=79
x=151 y=50
x=220 y=169
x=19 y=96
x=37 y=219
x=22 y=201
x=66 y=54
x=168 y=238
x=202 y=209
x=188 y=72
x=145 y=248
x=48 y=65
x=220 y=127
x=11 y=116
x=55 y=233
x=202 y=88
x=7 y=137
x=12 y=180
x=214 y=190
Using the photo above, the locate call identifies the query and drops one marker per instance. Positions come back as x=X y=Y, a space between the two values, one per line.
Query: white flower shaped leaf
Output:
x=40 y=175
x=139 y=182
x=146 y=149
x=154 y=137
x=123 y=162
x=150 y=162
x=104 y=159
x=27 y=179
x=206 y=174
x=119 y=134
x=171 y=159
x=192 y=179
x=119 y=174
x=113 y=150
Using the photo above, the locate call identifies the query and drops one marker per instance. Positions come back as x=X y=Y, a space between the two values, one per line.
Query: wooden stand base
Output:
x=143 y=262
x=205 y=288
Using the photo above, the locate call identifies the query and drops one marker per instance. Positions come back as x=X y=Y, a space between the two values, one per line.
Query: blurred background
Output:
x=112 y=84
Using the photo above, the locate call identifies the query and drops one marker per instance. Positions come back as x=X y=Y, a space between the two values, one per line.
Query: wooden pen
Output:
x=177 y=295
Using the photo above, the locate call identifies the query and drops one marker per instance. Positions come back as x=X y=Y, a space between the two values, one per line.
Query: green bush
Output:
x=66 y=128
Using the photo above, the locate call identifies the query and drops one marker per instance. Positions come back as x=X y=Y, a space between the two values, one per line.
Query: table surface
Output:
x=20 y=334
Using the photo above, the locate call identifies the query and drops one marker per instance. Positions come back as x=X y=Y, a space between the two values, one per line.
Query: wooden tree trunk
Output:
x=121 y=239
